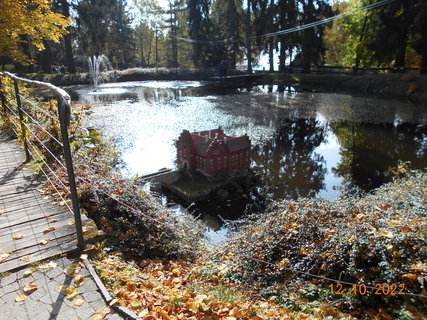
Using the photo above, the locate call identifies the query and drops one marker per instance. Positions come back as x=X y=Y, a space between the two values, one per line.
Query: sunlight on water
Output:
x=304 y=143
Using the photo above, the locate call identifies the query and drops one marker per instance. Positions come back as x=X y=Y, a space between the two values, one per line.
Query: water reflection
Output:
x=288 y=163
x=369 y=150
x=305 y=144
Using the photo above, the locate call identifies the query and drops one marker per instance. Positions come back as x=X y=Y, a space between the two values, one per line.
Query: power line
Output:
x=295 y=29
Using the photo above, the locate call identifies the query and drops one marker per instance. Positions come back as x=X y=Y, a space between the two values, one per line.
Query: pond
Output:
x=304 y=144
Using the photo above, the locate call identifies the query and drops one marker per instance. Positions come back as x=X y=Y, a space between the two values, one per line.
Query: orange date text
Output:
x=362 y=289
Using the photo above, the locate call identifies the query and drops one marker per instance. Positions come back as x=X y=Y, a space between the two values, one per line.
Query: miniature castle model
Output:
x=213 y=152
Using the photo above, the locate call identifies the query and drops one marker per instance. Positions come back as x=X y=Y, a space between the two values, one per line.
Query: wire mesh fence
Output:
x=42 y=128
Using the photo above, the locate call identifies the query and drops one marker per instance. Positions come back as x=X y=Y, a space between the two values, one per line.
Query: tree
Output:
x=288 y=18
x=146 y=32
x=93 y=21
x=312 y=46
x=230 y=13
x=198 y=24
x=65 y=7
x=28 y=23
x=120 y=46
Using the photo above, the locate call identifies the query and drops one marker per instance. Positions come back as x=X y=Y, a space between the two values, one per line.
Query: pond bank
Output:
x=393 y=86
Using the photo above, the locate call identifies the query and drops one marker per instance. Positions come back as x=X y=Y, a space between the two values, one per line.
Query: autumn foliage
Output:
x=30 y=22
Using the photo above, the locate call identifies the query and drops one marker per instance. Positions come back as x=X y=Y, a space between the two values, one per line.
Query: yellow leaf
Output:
x=303 y=252
x=282 y=264
x=18 y=236
x=194 y=306
x=78 y=280
x=143 y=313
x=135 y=303
x=71 y=293
x=72 y=269
x=28 y=272
x=176 y=272
x=29 y=288
x=78 y=302
x=49 y=229
x=25 y=259
x=4 y=256
x=45 y=241
x=20 y=297
x=101 y=313
x=2 y=211
x=48 y=266
x=386 y=234
x=113 y=302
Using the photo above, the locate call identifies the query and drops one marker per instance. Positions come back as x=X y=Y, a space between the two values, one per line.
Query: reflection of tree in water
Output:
x=288 y=164
x=369 y=150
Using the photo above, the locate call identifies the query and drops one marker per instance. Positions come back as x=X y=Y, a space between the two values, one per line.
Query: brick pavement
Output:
x=50 y=301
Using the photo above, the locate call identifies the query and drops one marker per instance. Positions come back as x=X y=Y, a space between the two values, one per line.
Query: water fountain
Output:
x=96 y=63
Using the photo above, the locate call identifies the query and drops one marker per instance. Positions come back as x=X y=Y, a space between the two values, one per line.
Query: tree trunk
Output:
x=282 y=57
x=46 y=58
x=248 y=37
x=271 y=40
x=71 y=67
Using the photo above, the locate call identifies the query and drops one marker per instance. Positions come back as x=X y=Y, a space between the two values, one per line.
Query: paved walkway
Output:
x=50 y=301
x=32 y=225
x=25 y=211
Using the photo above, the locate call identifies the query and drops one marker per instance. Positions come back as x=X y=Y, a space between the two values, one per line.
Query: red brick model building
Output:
x=213 y=152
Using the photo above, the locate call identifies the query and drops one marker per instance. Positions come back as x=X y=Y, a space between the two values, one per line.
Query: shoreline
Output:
x=412 y=87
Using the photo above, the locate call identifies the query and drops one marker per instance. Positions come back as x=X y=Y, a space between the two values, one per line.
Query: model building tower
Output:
x=213 y=152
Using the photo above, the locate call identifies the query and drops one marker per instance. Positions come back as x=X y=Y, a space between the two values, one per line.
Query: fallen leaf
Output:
x=113 y=302
x=200 y=298
x=20 y=297
x=78 y=280
x=143 y=313
x=48 y=266
x=101 y=313
x=70 y=223
x=282 y=264
x=386 y=234
x=25 y=259
x=49 y=229
x=78 y=302
x=29 y=288
x=135 y=303
x=176 y=272
x=72 y=269
x=83 y=256
x=18 y=236
x=2 y=211
x=71 y=293
x=28 y=272
x=45 y=241
x=292 y=206
x=4 y=256
x=53 y=220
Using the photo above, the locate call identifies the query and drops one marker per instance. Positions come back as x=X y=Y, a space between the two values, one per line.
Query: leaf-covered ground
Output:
x=273 y=266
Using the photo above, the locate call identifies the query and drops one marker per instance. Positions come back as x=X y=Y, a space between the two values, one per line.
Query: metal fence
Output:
x=37 y=128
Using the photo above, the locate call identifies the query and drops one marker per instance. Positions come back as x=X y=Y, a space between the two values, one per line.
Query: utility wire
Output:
x=294 y=29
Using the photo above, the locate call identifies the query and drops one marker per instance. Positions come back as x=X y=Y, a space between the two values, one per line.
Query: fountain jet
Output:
x=96 y=63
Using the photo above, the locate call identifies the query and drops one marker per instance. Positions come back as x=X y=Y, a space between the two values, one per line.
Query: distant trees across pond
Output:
x=201 y=33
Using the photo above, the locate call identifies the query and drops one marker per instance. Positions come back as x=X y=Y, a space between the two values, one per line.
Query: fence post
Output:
x=21 y=120
x=3 y=98
x=63 y=106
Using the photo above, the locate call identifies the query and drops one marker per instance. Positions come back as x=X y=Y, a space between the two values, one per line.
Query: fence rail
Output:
x=26 y=124
x=354 y=70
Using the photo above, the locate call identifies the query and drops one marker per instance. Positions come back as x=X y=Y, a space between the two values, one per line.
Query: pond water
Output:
x=303 y=143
